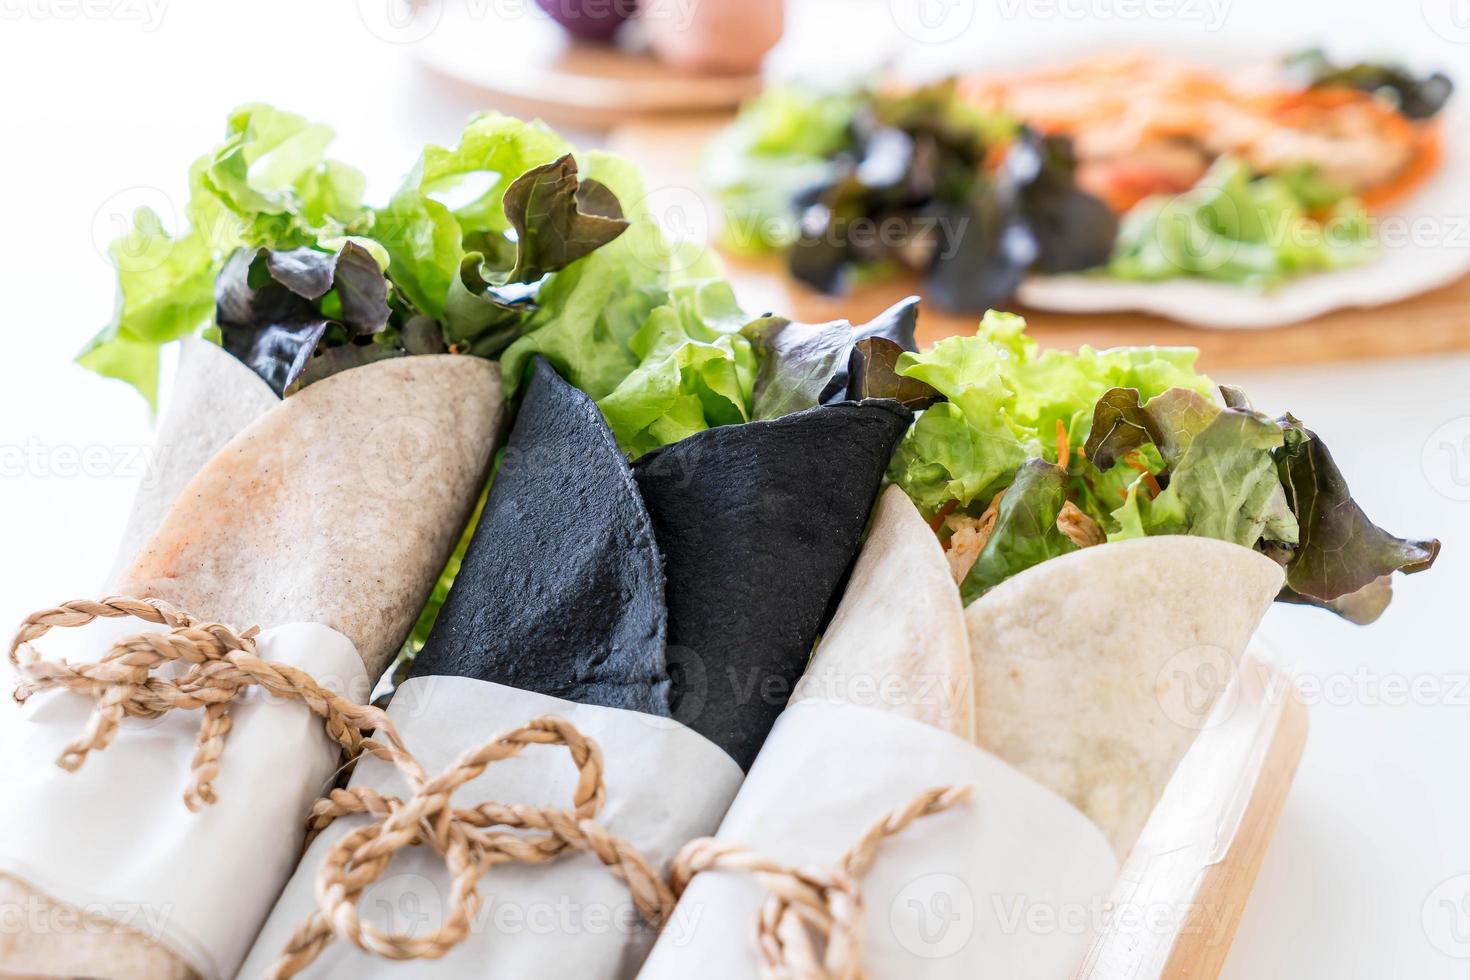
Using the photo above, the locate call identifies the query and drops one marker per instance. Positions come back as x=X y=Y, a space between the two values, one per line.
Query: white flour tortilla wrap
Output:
x=215 y=396
x=1094 y=671
x=897 y=641
x=339 y=506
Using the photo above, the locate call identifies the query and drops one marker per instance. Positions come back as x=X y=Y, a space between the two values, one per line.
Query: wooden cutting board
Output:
x=668 y=151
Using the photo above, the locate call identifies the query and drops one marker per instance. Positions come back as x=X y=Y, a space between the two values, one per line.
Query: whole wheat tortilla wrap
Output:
x=215 y=396
x=339 y=506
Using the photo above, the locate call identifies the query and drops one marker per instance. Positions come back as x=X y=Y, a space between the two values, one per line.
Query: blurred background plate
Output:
x=520 y=61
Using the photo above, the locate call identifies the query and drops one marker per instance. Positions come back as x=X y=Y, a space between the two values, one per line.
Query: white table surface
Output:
x=103 y=103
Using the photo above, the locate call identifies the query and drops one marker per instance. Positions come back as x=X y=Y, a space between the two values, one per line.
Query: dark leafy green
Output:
x=1341 y=552
x=970 y=202
x=1416 y=96
x=803 y=365
x=874 y=374
x=274 y=309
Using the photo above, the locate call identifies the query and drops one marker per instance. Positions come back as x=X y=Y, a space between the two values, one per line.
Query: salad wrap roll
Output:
x=1082 y=545
x=326 y=521
x=581 y=576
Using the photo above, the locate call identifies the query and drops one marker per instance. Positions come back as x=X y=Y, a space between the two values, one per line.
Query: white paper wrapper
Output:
x=215 y=396
x=1007 y=885
x=114 y=839
x=572 y=918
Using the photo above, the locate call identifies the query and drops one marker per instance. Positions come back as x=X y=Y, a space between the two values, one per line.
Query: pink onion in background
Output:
x=590 y=20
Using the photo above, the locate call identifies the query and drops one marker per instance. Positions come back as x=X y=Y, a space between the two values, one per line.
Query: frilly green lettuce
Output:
x=1139 y=442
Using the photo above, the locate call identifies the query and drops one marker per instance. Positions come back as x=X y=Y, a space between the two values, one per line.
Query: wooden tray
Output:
x=668 y=152
x=1180 y=895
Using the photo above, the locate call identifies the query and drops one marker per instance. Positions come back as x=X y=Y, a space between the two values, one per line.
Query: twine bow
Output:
x=222 y=663
x=811 y=923
x=471 y=840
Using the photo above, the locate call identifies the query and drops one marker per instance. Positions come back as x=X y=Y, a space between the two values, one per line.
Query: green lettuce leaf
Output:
x=1025 y=532
x=271 y=174
x=1233 y=228
x=1148 y=452
x=695 y=370
x=266 y=185
x=165 y=292
x=1013 y=399
x=944 y=458
x=1225 y=483
x=424 y=226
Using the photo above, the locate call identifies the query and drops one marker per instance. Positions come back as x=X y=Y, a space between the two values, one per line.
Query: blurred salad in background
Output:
x=1125 y=165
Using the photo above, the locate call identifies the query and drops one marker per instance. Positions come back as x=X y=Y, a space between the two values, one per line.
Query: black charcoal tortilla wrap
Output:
x=666 y=608
x=690 y=585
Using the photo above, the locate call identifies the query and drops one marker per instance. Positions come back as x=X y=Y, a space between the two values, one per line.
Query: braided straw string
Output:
x=806 y=908
x=222 y=664
x=468 y=842
x=810 y=924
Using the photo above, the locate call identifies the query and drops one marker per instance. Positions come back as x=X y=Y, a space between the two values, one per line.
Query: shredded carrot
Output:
x=1064 y=447
x=937 y=521
x=1134 y=461
x=1428 y=154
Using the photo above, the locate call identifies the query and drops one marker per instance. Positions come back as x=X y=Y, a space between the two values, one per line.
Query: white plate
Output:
x=1424 y=239
x=1424 y=243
